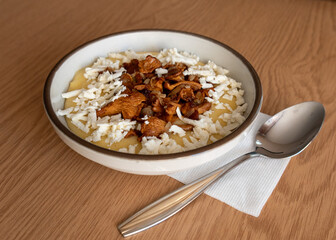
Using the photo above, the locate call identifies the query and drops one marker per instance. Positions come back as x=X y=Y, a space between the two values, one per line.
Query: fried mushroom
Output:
x=153 y=127
x=149 y=64
x=129 y=106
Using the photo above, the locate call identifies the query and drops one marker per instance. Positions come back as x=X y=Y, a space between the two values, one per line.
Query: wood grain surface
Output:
x=47 y=191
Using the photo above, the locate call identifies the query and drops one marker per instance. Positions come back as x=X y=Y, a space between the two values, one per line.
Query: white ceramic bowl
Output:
x=151 y=40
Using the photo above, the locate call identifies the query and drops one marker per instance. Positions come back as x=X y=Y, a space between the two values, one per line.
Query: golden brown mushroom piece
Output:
x=175 y=72
x=149 y=64
x=129 y=106
x=187 y=94
x=132 y=66
x=153 y=126
x=127 y=80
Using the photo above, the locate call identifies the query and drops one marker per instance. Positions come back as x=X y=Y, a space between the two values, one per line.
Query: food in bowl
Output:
x=153 y=103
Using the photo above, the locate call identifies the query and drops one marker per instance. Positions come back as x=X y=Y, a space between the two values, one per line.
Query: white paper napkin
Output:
x=249 y=185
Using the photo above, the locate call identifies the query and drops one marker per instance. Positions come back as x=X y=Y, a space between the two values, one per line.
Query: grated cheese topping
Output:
x=106 y=86
x=177 y=130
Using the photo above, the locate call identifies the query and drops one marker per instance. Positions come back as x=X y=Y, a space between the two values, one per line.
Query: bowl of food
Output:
x=152 y=101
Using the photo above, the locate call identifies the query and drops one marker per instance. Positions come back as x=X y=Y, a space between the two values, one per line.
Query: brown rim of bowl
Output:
x=56 y=122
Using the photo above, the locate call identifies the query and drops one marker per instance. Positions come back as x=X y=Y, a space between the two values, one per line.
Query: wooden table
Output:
x=47 y=191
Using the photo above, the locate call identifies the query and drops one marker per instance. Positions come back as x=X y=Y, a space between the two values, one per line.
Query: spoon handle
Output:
x=170 y=204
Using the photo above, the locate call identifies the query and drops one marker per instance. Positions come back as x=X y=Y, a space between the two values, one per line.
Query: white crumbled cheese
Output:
x=240 y=100
x=101 y=64
x=89 y=94
x=205 y=84
x=161 y=71
x=228 y=97
x=133 y=55
x=228 y=106
x=150 y=145
x=92 y=119
x=173 y=56
x=131 y=148
x=79 y=116
x=226 y=117
x=200 y=72
x=177 y=130
x=220 y=106
x=71 y=94
x=169 y=145
x=105 y=86
x=219 y=70
x=80 y=125
x=112 y=99
x=65 y=112
x=119 y=56
x=145 y=117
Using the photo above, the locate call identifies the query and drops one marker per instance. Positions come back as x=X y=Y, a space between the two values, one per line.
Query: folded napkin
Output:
x=248 y=186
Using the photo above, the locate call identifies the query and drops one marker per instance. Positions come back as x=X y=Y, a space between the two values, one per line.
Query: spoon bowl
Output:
x=285 y=134
x=290 y=131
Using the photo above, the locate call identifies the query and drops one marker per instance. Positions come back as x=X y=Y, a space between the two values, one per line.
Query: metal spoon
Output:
x=285 y=134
